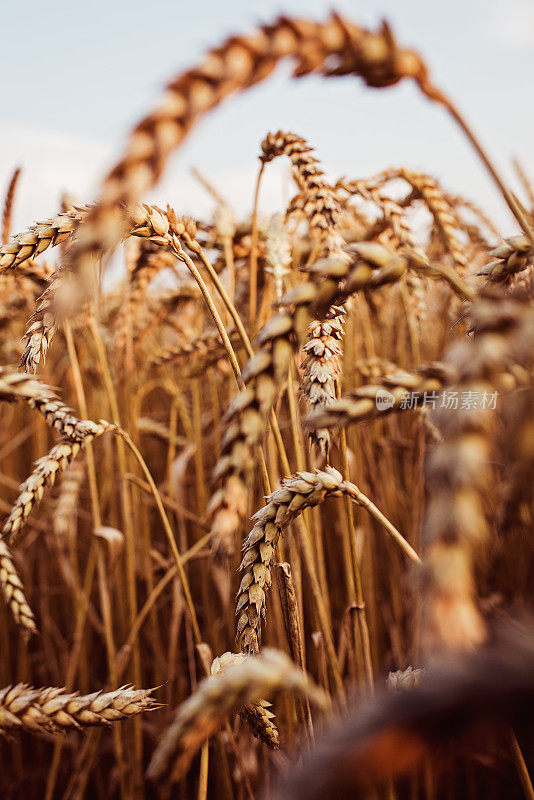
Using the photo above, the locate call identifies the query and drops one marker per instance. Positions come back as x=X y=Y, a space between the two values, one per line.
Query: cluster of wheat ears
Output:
x=355 y=375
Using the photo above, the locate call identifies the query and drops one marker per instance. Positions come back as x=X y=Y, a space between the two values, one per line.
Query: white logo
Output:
x=384 y=400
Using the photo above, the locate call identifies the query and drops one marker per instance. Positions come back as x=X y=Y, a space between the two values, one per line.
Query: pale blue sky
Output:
x=76 y=76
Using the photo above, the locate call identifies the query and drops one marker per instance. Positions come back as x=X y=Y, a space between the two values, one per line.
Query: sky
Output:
x=77 y=76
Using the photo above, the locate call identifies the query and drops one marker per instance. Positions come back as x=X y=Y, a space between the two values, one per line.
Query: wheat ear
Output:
x=8 y=204
x=44 y=474
x=403 y=390
x=18 y=386
x=459 y=474
x=219 y=696
x=515 y=255
x=428 y=190
x=298 y=492
x=31 y=243
x=257 y=716
x=52 y=710
x=336 y=47
x=318 y=203
x=13 y=590
x=69 y=288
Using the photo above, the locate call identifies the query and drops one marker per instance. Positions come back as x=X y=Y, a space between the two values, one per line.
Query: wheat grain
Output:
x=404 y=680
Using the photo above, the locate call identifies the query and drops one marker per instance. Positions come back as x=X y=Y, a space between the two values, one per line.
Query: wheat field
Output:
x=269 y=493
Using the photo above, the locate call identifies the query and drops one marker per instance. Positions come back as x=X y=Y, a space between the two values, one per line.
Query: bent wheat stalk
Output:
x=298 y=492
x=336 y=47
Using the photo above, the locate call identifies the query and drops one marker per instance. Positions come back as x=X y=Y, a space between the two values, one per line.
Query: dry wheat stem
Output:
x=217 y=697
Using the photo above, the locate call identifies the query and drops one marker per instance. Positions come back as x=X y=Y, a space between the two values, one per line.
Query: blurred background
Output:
x=102 y=65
